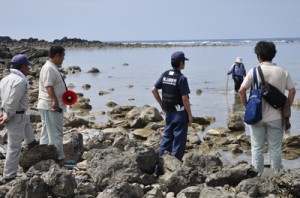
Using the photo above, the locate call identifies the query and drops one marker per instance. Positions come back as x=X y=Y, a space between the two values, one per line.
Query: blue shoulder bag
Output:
x=253 y=112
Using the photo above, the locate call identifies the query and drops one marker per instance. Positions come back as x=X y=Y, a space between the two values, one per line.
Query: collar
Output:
x=51 y=63
x=19 y=73
x=176 y=70
x=267 y=63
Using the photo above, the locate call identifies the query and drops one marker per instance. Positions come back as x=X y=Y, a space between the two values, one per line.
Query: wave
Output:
x=207 y=42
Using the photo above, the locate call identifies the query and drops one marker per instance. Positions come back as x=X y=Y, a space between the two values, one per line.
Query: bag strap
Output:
x=255 y=78
x=261 y=75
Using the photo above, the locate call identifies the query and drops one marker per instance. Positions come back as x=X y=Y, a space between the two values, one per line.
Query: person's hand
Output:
x=162 y=112
x=2 y=119
x=190 y=120
x=55 y=105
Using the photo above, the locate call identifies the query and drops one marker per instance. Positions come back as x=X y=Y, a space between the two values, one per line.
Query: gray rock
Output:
x=111 y=104
x=232 y=176
x=257 y=187
x=215 y=193
x=203 y=163
x=86 y=86
x=33 y=188
x=73 y=69
x=201 y=120
x=73 y=146
x=146 y=158
x=34 y=116
x=292 y=141
x=120 y=111
x=151 y=114
x=235 y=123
x=30 y=157
x=123 y=142
x=40 y=167
x=177 y=177
x=61 y=183
x=142 y=133
x=154 y=193
x=143 y=116
x=93 y=138
x=94 y=70
x=290 y=181
x=76 y=123
x=86 y=188
x=111 y=166
x=154 y=140
x=5 y=53
x=124 y=190
x=190 y=192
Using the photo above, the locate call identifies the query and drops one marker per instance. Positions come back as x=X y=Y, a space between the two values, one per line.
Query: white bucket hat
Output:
x=239 y=60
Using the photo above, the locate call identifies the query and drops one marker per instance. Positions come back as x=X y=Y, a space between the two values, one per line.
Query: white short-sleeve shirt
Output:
x=50 y=76
x=278 y=77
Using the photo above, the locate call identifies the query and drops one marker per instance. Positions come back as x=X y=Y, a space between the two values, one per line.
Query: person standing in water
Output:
x=238 y=72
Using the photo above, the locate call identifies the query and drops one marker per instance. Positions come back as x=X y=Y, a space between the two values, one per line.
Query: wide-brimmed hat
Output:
x=239 y=60
x=20 y=59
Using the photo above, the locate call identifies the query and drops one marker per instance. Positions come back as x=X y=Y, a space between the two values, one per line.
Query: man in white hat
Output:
x=238 y=72
x=14 y=103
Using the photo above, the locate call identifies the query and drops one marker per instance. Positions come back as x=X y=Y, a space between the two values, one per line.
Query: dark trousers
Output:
x=175 y=135
x=237 y=82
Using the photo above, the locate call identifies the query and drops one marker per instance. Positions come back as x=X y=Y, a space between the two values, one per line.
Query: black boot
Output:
x=33 y=144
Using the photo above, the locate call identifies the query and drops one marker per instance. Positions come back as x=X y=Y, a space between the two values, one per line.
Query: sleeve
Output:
x=244 y=70
x=184 y=86
x=158 y=84
x=247 y=82
x=48 y=77
x=289 y=82
x=230 y=70
x=16 y=93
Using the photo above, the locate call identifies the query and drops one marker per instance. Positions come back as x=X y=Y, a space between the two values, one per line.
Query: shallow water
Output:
x=206 y=70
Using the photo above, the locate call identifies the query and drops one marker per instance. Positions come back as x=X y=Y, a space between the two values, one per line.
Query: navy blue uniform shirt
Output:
x=183 y=85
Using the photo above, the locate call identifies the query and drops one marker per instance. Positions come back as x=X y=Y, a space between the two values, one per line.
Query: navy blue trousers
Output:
x=175 y=135
x=238 y=80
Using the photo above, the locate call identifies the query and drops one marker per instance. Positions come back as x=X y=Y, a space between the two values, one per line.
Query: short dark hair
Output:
x=16 y=66
x=175 y=63
x=265 y=50
x=56 y=50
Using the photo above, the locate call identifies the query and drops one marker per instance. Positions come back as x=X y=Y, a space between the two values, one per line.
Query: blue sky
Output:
x=127 y=20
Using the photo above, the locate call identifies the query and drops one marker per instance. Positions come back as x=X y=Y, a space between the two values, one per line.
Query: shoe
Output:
x=258 y=175
x=33 y=144
x=7 y=180
x=158 y=172
x=63 y=162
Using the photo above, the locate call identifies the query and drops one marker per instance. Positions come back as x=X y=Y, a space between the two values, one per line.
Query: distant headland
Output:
x=82 y=43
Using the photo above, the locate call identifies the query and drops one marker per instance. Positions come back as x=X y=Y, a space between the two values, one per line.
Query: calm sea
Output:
x=131 y=73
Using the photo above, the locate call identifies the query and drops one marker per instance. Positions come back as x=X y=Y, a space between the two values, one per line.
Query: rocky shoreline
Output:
x=117 y=158
x=82 y=43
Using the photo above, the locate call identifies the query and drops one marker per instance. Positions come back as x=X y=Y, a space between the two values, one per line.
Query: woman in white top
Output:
x=271 y=124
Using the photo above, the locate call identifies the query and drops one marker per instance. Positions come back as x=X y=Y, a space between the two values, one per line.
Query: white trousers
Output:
x=52 y=130
x=18 y=127
x=274 y=133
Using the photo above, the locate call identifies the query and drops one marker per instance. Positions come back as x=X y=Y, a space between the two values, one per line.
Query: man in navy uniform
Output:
x=176 y=105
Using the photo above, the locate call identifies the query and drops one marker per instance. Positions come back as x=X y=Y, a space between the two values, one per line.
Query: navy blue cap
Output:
x=178 y=56
x=20 y=59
